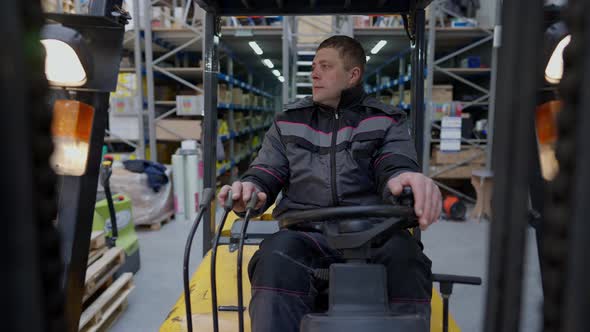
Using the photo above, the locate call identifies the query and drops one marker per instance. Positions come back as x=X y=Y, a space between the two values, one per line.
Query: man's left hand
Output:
x=427 y=197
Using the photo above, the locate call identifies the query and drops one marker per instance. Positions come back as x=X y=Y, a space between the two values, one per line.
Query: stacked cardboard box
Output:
x=473 y=158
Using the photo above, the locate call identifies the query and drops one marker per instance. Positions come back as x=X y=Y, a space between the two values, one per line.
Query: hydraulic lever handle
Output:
x=205 y=203
x=208 y=194
x=252 y=202
x=227 y=207
x=229 y=201
x=249 y=207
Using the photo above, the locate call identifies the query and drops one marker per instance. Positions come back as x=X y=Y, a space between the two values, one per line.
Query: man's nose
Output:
x=314 y=74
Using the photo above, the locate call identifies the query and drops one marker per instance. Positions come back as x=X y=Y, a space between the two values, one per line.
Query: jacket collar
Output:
x=348 y=98
x=351 y=97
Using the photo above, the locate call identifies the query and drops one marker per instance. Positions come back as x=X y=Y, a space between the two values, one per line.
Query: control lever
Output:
x=106 y=170
x=208 y=194
x=227 y=207
x=249 y=207
x=406 y=198
x=446 y=282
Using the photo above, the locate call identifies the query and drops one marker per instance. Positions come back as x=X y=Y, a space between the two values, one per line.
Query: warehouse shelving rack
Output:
x=172 y=43
x=480 y=37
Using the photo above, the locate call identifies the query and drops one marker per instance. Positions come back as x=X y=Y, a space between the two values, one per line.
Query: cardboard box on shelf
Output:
x=222 y=96
x=122 y=106
x=466 y=152
x=440 y=110
x=237 y=96
x=407 y=97
x=362 y=21
x=161 y=17
x=189 y=105
x=311 y=31
x=126 y=85
x=395 y=99
x=247 y=99
x=461 y=172
x=256 y=101
x=124 y=126
x=178 y=130
x=442 y=94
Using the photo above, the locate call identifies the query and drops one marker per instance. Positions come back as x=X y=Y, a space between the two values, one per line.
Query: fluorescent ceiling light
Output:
x=554 y=69
x=255 y=47
x=281 y=78
x=378 y=47
x=367 y=58
x=268 y=63
x=276 y=73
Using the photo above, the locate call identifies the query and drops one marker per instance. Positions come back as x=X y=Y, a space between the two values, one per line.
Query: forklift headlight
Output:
x=67 y=61
x=556 y=40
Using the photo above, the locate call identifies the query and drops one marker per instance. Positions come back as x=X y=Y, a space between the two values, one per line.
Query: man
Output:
x=338 y=148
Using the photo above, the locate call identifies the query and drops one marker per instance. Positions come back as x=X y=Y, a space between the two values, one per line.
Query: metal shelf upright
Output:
x=486 y=96
x=175 y=41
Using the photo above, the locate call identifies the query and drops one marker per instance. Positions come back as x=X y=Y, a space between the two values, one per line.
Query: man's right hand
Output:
x=241 y=194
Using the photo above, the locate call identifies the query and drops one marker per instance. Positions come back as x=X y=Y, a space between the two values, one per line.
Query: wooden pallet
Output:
x=99 y=272
x=156 y=226
x=94 y=255
x=108 y=306
x=97 y=240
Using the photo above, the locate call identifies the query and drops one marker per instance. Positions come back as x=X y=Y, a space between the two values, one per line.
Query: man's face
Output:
x=330 y=77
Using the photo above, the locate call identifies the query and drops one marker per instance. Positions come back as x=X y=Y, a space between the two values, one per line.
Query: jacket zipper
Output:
x=333 y=159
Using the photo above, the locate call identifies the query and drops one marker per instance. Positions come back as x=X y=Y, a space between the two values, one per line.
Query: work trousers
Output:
x=283 y=290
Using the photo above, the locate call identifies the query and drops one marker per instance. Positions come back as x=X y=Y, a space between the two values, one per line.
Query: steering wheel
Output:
x=343 y=213
x=349 y=227
x=402 y=207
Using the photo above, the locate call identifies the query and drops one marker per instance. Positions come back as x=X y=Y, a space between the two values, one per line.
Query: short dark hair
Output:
x=350 y=50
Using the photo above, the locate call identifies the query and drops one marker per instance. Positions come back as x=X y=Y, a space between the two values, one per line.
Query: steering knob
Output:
x=407 y=197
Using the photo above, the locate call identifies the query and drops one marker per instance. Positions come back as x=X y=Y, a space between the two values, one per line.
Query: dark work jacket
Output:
x=322 y=157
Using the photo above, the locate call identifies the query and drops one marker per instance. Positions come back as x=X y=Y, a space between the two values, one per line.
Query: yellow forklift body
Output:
x=200 y=290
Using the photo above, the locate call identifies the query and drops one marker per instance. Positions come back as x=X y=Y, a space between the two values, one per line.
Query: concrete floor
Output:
x=455 y=248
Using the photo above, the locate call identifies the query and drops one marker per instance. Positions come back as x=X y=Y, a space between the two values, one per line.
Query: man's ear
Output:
x=355 y=76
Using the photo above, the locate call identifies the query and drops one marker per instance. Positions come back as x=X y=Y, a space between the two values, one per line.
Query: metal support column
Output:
x=149 y=70
x=494 y=76
x=211 y=63
x=286 y=39
x=402 y=73
x=418 y=65
x=76 y=208
x=138 y=80
x=417 y=83
x=294 y=41
x=427 y=134
x=230 y=115
x=519 y=71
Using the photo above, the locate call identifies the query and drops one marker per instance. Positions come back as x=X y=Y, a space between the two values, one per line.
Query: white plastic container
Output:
x=193 y=181
x=178 y=185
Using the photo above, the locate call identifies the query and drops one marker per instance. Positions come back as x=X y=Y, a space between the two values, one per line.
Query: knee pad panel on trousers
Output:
x=271 y=271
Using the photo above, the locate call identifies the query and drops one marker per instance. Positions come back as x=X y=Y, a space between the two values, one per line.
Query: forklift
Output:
x=206 y=307
x=43 y=268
